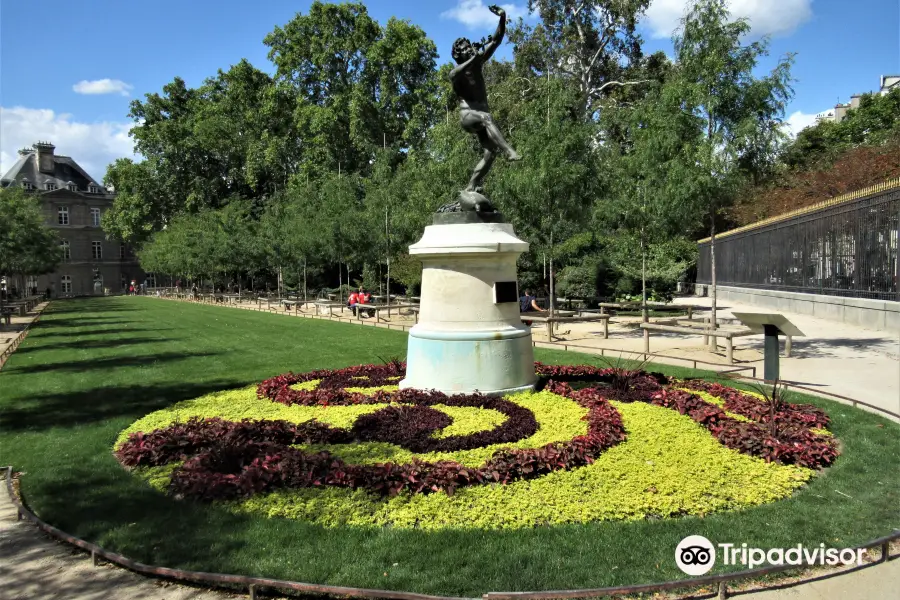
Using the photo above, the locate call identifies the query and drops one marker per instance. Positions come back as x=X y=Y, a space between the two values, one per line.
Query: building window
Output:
x=63 y=213
x=73 y=187
x=27 y=185
x=95 y=217
x=93 y=189
x=66 y=283
x=96 y=250
x=51 y=187
x=122 y=251
x=66 y=250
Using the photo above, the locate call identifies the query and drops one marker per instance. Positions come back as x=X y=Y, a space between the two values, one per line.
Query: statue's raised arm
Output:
x=496 y=39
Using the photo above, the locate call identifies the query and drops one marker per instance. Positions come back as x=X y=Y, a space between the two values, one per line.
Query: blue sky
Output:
x=67 y=74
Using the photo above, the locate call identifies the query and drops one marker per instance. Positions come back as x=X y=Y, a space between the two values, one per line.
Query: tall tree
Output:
x=736 y=111
x=592 y=43
x=547 y=196
x=359 y=86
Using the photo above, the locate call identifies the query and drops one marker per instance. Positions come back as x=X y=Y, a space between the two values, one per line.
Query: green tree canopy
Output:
x=27 y=245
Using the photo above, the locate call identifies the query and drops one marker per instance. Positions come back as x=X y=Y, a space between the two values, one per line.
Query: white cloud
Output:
x=775 y=17
x=799 y=121
x=475 y=15
x=102 y=86
x=91 y=145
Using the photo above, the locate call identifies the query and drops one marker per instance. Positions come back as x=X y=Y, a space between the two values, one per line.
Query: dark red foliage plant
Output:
x=227 y=460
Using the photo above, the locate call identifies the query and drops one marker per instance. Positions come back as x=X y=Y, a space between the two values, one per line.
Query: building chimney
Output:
x=45 y=156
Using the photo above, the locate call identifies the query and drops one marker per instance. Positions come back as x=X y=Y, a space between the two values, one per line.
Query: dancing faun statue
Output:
x=474 y=112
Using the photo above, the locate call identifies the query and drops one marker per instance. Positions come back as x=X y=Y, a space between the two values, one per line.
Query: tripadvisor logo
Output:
x=695 y=555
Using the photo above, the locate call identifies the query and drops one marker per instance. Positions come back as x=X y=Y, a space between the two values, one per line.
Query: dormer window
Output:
x=27 y=185
x=50 y=186
x=93 y=189
x=72 y=187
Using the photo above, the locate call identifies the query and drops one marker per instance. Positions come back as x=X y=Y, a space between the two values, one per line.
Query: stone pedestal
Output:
x=469 y=337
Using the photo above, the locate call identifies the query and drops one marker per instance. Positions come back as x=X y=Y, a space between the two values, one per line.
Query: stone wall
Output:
x=882 y=315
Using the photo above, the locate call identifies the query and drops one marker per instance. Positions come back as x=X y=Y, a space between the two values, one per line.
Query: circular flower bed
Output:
x=347 y=447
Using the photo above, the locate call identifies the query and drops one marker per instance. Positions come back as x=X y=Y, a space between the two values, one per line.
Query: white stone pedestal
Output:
x=465 y=341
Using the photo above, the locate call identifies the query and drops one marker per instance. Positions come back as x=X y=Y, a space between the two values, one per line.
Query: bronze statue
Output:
x=474 y=112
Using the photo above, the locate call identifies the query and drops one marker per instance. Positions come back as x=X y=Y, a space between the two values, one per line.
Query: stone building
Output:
x=839 y=112
x=73 y=203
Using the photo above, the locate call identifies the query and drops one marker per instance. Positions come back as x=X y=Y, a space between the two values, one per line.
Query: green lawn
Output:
x=92 y=367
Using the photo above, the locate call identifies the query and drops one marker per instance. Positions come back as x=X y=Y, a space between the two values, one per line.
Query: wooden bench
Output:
x=727 y=334
x=387 y=308
x=321 y=307
x=566 y=319
x=788 y=339
x=6 y=315
x=19 y=307
x=603 y=306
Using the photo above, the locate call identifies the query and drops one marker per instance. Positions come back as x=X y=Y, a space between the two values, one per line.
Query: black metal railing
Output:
x=844 y=248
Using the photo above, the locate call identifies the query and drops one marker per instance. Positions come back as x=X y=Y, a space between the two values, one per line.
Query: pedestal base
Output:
x=462 y=362
x=470 y=337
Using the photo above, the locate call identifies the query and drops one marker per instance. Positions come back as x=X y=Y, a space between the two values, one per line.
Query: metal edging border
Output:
x=565 y=347
x=254 y=583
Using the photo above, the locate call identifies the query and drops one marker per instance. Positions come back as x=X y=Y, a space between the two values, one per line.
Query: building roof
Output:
x=65 y=172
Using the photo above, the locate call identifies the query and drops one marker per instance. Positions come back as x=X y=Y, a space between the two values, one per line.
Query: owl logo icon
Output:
x=695 y=555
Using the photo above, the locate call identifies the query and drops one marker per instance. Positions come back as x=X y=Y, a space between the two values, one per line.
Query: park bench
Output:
x=296 y=304
x=18 y=307
x=566 y=319
x=380 y=308
x=788 y=339
x=727 y=334
x=636 y=306
x=6 y=315
x=325 y=306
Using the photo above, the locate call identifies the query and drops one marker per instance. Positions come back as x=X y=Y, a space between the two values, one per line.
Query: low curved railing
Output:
x=253 y=584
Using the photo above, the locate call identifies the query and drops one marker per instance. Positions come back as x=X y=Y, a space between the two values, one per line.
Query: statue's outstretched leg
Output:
x=483 y=125
x=494 y=133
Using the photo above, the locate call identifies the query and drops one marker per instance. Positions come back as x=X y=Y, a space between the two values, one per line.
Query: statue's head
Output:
x=462 y=50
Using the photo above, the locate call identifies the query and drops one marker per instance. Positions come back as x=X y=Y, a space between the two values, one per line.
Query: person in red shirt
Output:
x=363 y=297
x=352 y=301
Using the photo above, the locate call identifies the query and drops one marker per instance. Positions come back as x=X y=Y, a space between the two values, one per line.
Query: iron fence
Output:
x=848 y=248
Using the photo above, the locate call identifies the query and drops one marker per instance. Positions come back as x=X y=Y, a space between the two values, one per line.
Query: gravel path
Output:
x=33 y=566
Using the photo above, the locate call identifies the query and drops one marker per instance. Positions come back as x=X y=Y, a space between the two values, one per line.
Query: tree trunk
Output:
x=712 y=277
x=552 y=289
x=710 y=124
x=387 y=243
x=643 y=278
x=304 y=280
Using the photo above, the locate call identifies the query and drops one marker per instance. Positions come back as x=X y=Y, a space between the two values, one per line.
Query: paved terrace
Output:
x=842 y=359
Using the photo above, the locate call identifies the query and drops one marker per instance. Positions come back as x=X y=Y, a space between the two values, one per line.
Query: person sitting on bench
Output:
x=528 y=303
x=363 y=297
